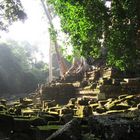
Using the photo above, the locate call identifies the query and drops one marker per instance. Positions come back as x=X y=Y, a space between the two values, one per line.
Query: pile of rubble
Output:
x=110 y=83
x=101 y=83
x=24 y=117
x=92 y=108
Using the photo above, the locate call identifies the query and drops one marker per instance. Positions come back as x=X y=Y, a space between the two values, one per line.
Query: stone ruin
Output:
x=92 y=119
x=103 y=105
x=101 y=83
x=60 y=92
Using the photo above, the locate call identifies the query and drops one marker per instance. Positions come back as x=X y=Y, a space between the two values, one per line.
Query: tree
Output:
x=92 y=25
x=23 y=52
x=10 y=11
x=82 y=21
x=123 y=35
x=17 y=74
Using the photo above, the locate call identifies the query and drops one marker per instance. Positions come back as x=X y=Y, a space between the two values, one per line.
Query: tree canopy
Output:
x=10 y=11
x=19 y=72
x=91 y=26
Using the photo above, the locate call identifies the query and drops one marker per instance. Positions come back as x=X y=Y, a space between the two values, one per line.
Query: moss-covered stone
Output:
x=69 y=131
x=3 y=108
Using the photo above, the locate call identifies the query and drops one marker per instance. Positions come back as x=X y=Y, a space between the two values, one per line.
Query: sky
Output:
x=34 y=29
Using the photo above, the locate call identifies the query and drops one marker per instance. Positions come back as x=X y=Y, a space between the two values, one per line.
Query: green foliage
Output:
x=87 y=22
x=24 y=52
x=78 y=19
x=40 y=71
x=69 y=58
x=10 y=11
x=18 y=71
x=122 y=37
x=53 y=33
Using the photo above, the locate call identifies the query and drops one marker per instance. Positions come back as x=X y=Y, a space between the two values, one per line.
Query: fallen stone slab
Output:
x=70 y=131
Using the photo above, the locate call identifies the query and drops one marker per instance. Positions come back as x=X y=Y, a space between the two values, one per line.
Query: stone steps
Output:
x=87 y=93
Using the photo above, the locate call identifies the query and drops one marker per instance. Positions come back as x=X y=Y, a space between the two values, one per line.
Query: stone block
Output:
x=101 y=96
x=110 y=73
x=113 y=127
x=70 y=131
x=61 y=92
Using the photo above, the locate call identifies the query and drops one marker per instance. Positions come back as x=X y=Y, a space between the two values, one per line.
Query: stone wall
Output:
x=60 y=92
